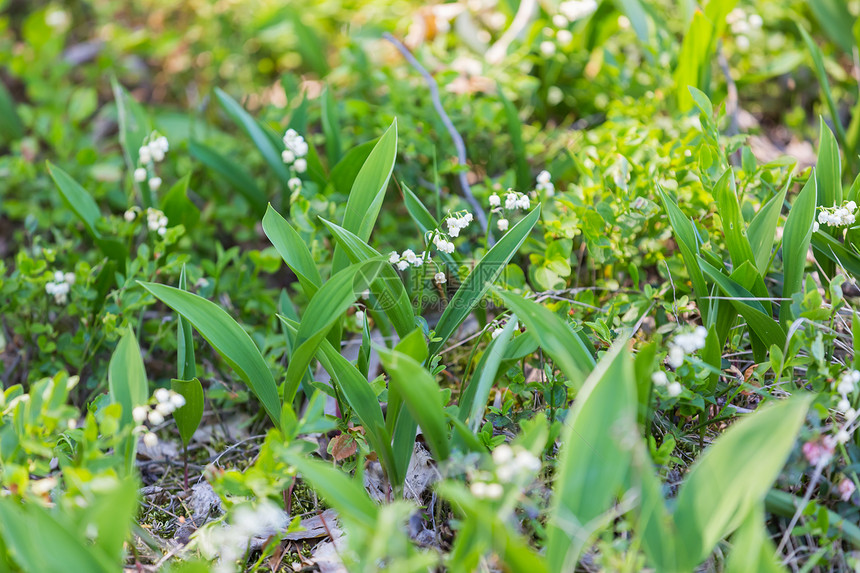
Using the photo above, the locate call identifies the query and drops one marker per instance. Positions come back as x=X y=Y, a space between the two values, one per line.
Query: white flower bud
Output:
x=140 y=174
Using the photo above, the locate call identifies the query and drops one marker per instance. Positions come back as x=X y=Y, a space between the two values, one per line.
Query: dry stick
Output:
x=452 y=131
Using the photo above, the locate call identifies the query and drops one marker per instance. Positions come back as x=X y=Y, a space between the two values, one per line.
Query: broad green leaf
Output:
x=654 y=526
x=821 y=75
x=554 y=336
x=515 y=130
x=228 y=338
x=734 y=227
x=422 y=397
x=419 y=213
x=86 y=209
x=324 y=309
x=473 y=400
x=11 y=127
x=733 y=476
x=837 y=22
x=752 y=549
x=331 y=126
x=828 y=169
x=270 y=152
x=597 y=443
x=391 y=296
x=827 y=246
x=638 y=17
x=232 y=172
x=293 y=250
x=77 y=198
x=134 y=124
x=483 y=532
x=762 y=229
x=342 y=492
x=127 y=377
x=188 y=416
x=37 y=541
x=186 y=365
x=685 y=236
x=177 y=207
x=360 y=397
x=759 y=321
x=795 y=244
x=482 y=277
x=368 y=191
x=344 y=173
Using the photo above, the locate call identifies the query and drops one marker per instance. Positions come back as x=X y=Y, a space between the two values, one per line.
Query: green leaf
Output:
x=232 y=172
x=188 y=416
x=186 y=365
x=422 y=396
x=759 y=321
x=795 y=244
x=762 y=229
x=11 y=127
x=293 y=250
x=752 y=549
x=331 y=126
x=77 y=198
x=134 y=124
x=86 y=209
x=177 y=207
x=342 y=492
x=391 y=296
x=825 y=245
x=343 y=174
x=837 y=22
x=368 y=191
x=360 y=397
x=37 y=541
x=828 y=168
x=473 y=400
x=228 y=338
x=685 y=236
x=734 y=227
x=733 y=476
x=515 y=130
x=264 y=144
x=554 y=336
x=482 y=277
x=598 y=439
x=324 y=309
x=127 y=377
x=821 y=75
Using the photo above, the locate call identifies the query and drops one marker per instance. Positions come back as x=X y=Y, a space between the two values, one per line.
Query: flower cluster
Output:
x=513 y=201
x=846 y=386
x=166 y=401
x=837 y=216
x=295 y=152
x=742 y=25
x=575 y=10
x=156 y=221
x=403 y=260
x=487 y=490
x=153 y=150
x=60 y=286
x=230 y=542
x=458 y=222
x=514 y=465
x=497 y=327
x=684 y=344
x=660 y=380
x=819 y=451
x=544 y=183
x=442 y=244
